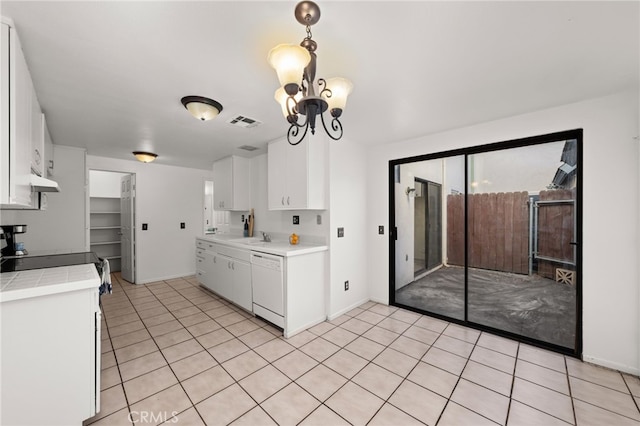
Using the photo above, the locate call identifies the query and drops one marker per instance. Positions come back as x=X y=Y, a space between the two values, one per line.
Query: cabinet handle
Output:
x=233 y=266
x=229 y=265
x=215 y=259
x=282 y=200
x=287 y=200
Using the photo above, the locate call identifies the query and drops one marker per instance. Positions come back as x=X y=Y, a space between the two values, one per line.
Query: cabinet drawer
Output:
x=201 y=244
x=234 y=253
x=200 y=252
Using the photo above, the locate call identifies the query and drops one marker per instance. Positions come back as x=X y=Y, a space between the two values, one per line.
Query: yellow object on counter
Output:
x=294 y=239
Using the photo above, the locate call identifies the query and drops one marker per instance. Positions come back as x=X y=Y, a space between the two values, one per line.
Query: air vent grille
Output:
x=248 y=148
x=244 y=122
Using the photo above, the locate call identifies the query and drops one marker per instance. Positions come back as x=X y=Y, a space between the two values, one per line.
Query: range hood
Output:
x=40 y=184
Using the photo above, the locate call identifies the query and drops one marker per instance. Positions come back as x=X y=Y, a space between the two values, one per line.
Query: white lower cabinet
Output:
x=242 y=291
x=225 y=271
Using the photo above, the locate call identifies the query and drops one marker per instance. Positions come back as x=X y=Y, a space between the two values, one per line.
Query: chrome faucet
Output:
x=266 y=237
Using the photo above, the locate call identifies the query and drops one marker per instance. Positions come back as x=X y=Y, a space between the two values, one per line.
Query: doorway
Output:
x=496 y=238
x=112 y=233
x=427 y=227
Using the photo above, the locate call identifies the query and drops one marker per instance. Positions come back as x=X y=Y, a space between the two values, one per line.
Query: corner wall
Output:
x=165 y=196
x=611 y=199
x=62 y=227
x=348 y=201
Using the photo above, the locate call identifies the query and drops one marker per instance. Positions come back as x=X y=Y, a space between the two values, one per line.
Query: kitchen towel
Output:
x=105 y=285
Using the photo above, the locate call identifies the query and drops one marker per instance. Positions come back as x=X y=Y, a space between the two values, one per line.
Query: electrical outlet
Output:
x=381 y=230
x=319 y=219
x=340 y=232
x=346 y=285
x=182 y=225
x=242 y=218
x=296 y=220
x=145 y=226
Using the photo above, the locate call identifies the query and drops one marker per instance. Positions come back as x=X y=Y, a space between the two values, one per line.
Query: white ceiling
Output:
x=110 y=75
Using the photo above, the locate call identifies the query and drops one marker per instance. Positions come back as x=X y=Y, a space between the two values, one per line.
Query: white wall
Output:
x=611 y=299
x=62 y=228
x=405 y=220
x=347 y=255
x=104 y=184
x=165 y=196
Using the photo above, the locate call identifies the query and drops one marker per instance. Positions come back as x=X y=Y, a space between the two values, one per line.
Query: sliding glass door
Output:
x=488 y=237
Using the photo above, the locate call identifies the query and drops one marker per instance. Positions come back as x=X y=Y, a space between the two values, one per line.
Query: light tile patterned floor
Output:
x=175 y=352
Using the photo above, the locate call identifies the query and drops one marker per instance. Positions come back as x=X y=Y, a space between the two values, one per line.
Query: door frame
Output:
x=394 y=166
x=135 y=213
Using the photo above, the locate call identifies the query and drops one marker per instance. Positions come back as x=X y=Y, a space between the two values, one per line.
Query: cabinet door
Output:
x=222 y=185
x=222 y=276
x=242 y=294
x=4 y=114
x=297 y=175
x=37 y=135
x=20 y=119
x=277 y=174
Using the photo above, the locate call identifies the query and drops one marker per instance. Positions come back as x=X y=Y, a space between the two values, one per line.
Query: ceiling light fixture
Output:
x=202 y=108
x=297 y=96
x=145 y=157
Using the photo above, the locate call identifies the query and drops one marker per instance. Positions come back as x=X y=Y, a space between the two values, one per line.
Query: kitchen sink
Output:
x=251 y=241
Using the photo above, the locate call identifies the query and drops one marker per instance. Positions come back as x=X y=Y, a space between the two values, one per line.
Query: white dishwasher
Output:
x=268 y=287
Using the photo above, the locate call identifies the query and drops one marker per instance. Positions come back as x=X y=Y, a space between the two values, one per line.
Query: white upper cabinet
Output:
x=232 y=184
x=297 y=174
x=16 y=95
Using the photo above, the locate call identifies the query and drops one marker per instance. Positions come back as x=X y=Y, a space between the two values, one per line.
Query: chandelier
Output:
x=299 y=95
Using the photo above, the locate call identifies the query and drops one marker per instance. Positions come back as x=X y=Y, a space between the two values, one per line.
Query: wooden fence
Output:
x=555 y=232
x=498 y=231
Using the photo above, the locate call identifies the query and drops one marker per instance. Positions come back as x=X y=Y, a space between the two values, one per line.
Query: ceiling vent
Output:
x=248 y=148
x=244 y=122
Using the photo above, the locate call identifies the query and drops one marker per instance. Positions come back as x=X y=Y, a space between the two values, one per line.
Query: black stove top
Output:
x=51 y=261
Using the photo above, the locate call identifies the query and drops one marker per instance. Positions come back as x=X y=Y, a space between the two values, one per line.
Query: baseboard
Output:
x=612 y=365
x=335 y=315
x=170 y=277
x=291 y=333
x=382 y=302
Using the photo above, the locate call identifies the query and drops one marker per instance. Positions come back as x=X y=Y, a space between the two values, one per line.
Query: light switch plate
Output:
x=340 y=232
x=145 y=226
x=182 y=225
x=319 y=219
x=381 y=230
x=296 y=220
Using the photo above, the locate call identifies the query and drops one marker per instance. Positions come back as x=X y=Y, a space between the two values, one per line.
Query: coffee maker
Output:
x=8 y=234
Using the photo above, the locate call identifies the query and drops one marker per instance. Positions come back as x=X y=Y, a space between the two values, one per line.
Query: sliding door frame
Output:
x=576 y=134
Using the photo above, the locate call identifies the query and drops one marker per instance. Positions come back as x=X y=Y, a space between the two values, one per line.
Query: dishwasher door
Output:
x=268 y=284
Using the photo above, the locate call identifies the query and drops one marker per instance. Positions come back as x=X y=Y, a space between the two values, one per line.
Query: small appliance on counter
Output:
x=12 y=247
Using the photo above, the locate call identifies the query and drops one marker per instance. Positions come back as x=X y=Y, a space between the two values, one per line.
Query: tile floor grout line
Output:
x=121 y=384
x=315 y=337
x=513 y=382
x=193 y=405
x=164 y=357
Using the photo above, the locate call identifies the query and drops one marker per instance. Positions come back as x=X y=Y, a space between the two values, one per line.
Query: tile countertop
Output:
x=47 y=281
x=278 y=247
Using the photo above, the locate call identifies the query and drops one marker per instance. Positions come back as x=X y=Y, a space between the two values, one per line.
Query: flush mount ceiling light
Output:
x=296 y=69
x=202 y=108
x=145 y=157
